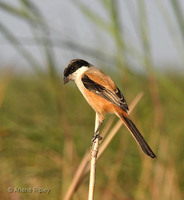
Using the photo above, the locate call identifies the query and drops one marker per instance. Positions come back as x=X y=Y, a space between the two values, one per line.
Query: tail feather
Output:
x=137 y=135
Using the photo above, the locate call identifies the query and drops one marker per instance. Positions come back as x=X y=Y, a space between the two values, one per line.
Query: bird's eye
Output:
x=72 y=68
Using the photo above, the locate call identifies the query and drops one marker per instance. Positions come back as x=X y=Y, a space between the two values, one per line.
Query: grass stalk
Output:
x=94 y=153
x=177 y=8
x=17 y=45
x=117 y=34
x=145 y=35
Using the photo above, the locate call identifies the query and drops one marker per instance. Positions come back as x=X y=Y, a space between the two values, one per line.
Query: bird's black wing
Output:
x=115 y=97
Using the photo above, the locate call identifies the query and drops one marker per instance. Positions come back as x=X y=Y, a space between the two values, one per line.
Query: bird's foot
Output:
x=96 y=136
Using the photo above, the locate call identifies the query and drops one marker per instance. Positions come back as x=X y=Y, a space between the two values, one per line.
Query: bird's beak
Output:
x=66 y=79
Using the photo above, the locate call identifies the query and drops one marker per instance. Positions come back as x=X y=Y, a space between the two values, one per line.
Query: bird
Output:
x=103 y=96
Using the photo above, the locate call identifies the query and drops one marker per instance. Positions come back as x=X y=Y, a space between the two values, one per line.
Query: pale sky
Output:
x=68 y=23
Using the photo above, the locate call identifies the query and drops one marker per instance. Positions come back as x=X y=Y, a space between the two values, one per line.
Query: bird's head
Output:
x=74 y=69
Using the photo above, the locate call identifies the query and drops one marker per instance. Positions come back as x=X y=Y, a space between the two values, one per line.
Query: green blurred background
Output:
x=46 y=127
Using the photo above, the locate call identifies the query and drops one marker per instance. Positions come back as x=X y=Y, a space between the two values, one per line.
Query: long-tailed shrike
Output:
x=103 y=96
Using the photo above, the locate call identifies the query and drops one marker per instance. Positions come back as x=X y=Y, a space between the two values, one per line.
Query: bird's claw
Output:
x=95 y=137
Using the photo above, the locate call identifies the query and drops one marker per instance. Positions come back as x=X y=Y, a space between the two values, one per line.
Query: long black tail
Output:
x=137 y=135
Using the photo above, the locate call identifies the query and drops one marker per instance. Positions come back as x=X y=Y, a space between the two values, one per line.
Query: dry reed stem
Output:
x=84 y=166
x=77 y=177
x=94 y=152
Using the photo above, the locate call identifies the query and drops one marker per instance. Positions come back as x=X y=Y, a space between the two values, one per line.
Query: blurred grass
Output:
x=45 y=128
x=32 y=138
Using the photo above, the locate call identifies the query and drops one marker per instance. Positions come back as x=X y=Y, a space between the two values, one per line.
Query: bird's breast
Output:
x=99 y=104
